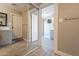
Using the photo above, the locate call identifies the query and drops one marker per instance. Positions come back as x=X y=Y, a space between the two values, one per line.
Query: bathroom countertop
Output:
x=4 y=29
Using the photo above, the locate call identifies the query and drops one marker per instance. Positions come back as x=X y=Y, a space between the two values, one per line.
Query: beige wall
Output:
x=68 y=30
x=25 y=24
x=6 y=9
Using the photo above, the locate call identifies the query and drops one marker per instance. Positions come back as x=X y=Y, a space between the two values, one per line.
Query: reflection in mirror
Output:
x=33 y=11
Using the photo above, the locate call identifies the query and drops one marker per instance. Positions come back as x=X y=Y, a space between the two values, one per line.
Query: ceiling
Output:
x=48 y=12
x=16 y=6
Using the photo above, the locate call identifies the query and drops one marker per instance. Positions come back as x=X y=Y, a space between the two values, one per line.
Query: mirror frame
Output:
x=29 y=34
x=5 y=18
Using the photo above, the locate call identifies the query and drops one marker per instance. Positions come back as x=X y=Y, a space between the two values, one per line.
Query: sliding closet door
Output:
x=33 y=26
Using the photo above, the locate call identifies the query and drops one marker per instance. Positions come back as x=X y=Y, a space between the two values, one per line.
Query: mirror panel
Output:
x=33 y=14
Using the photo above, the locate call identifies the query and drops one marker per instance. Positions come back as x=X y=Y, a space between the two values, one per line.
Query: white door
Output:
x=17 y=26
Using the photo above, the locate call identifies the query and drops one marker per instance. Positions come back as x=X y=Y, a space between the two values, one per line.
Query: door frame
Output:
x=56 y=22
x=29 y=26
x=56 y=18
x=31 y=22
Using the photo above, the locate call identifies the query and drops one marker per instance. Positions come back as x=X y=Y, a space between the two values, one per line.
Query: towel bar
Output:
x=77 y=18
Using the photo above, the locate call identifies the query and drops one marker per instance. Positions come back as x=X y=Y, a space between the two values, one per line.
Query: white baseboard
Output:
x=60 y=53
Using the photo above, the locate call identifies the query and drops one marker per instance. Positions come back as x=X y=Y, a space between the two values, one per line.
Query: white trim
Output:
x=31 y=51
x=56 y=26
x=60 y=53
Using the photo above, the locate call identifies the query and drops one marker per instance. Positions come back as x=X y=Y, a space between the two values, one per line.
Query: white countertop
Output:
x=4 y=28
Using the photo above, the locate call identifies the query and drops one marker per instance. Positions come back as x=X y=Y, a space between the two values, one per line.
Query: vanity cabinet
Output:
x=5 y=37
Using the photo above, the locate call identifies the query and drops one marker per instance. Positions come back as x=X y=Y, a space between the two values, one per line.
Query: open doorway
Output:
x=48 y=27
